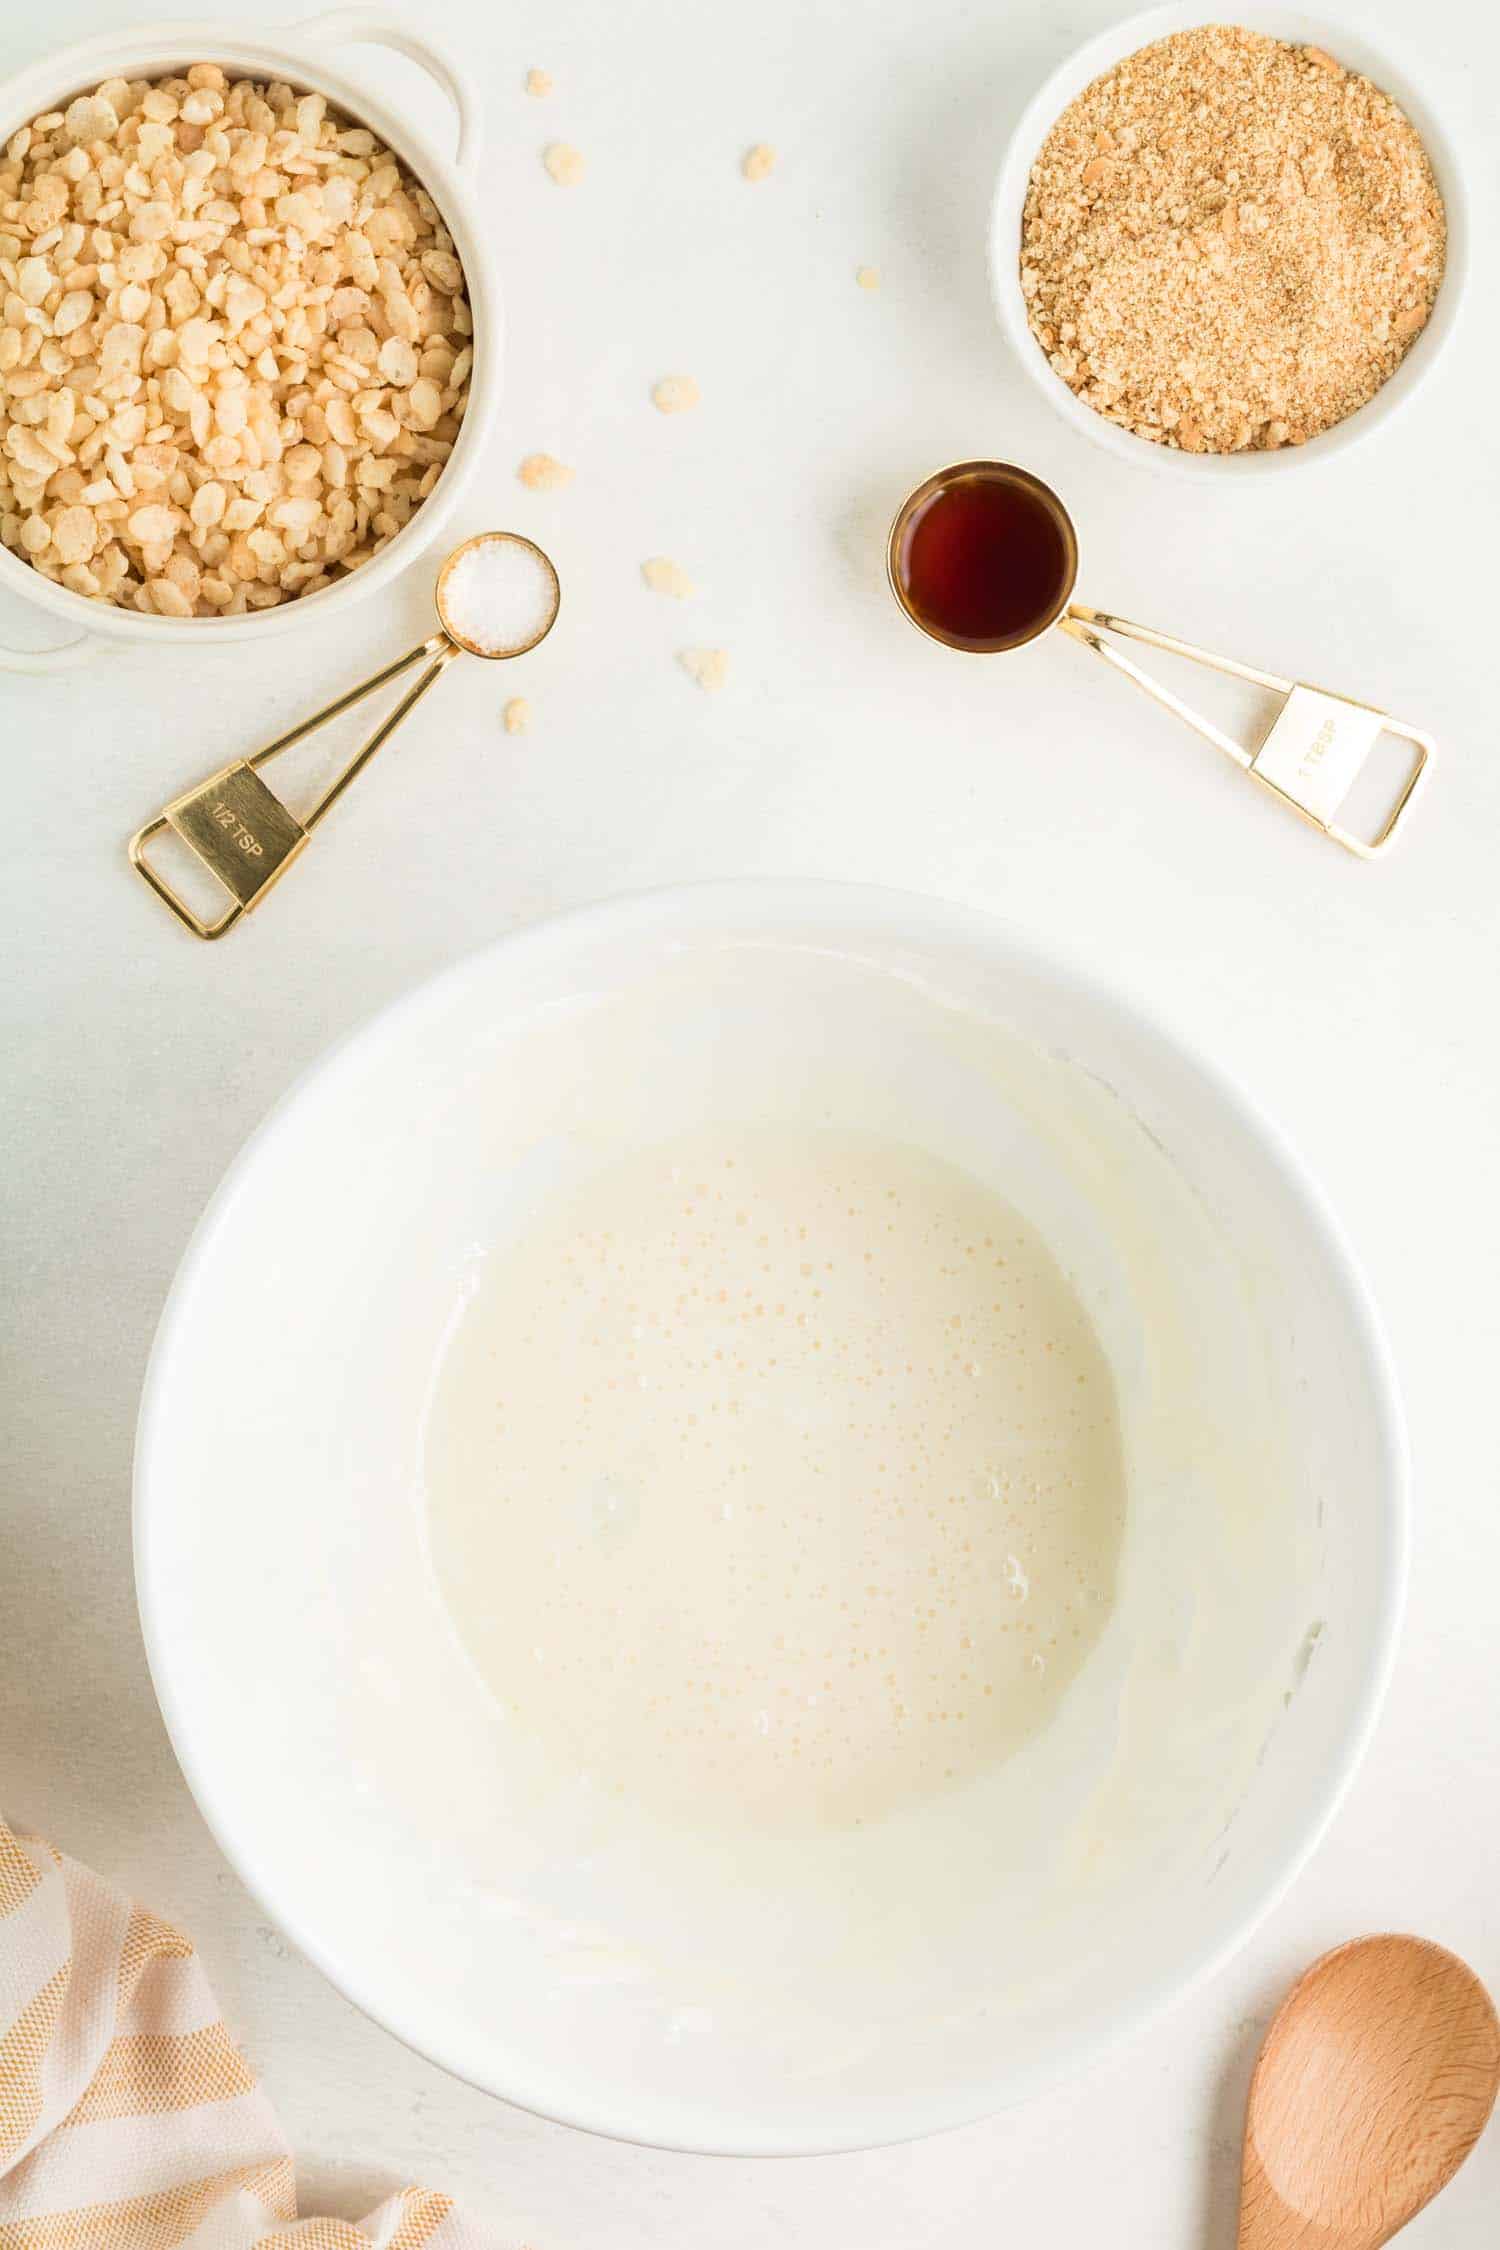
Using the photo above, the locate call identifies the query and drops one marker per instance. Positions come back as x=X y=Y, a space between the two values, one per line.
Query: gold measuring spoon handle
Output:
x=241 y=831
x=437 y=646
x=1314 y=748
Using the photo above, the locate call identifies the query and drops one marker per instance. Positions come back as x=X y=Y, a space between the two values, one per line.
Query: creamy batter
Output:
x=775 y=1479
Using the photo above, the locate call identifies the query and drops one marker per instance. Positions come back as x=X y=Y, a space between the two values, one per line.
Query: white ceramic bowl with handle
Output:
x=302 y=55
x=812 y=1993
x=1341 y=37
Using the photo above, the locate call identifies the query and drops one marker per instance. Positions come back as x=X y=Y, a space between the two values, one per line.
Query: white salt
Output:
x=499 y=597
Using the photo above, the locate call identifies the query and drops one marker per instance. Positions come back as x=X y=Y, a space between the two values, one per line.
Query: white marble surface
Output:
x=1357 y=1002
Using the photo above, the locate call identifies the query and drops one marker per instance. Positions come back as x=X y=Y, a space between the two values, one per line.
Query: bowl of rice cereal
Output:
x=1222 y=247
x=250 y=335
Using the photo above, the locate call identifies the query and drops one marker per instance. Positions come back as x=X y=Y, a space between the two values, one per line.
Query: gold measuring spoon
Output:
x=243 y=833
x=983 y=556
x=1375 y=2081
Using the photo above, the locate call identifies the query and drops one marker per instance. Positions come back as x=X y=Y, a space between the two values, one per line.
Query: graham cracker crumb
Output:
x=665 y=577
x=564 y=163
x=1229 y=243
x=868 y=277
x=517 y=715
x=674 y=394
x=759 y=162
x=541 y=472
x=708 y=666
x=539 y=83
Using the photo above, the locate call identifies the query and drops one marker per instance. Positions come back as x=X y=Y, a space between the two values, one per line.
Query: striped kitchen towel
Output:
x=129 y=2119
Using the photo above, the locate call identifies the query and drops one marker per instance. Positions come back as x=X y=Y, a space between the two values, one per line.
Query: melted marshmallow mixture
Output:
x=775 y=1479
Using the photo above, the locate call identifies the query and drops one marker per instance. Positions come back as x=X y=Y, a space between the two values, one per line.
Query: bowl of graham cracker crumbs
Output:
x=1221 y=248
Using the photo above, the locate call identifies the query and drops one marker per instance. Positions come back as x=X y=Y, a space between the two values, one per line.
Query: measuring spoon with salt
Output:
x=497 y=596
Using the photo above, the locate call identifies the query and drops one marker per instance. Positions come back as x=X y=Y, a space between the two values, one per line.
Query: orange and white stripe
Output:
x=129 y=2119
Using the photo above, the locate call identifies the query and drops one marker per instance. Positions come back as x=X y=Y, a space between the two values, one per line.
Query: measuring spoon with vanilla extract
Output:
x=983 y=557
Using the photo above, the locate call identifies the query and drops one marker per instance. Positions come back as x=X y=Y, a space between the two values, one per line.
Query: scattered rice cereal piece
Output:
x=674 y=394
x=564 y=163
x=708 y=666
x=517 y=715
x=868 y=277
x=759 y=162
x=539 y=83
x=542 y=472
x=665 y=577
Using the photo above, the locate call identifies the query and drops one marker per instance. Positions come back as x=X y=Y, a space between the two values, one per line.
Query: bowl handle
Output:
x=59 y=659
x=356 y=26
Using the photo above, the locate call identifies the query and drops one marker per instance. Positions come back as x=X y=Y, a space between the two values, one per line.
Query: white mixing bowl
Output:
x=806 y=1995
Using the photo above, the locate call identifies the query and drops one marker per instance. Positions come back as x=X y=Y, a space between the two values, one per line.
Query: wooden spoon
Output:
x=1374 y=2083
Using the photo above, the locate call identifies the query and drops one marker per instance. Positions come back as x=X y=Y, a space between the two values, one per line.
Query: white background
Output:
x=1358 y=1002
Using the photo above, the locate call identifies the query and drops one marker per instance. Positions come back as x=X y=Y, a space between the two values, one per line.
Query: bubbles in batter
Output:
x=775 y=1479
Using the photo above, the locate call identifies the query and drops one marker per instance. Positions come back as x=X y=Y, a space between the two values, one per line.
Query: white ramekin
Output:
x=296 y=54
x=1337 y=37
